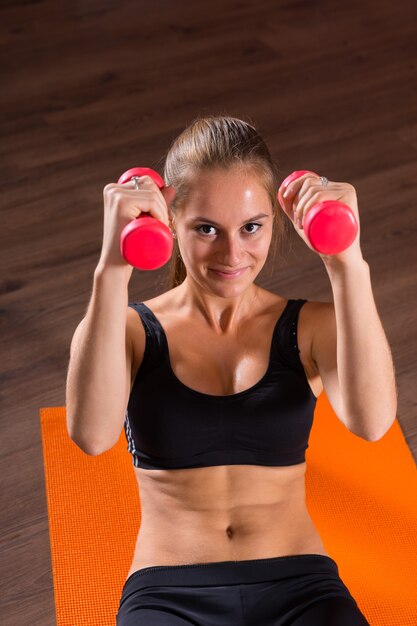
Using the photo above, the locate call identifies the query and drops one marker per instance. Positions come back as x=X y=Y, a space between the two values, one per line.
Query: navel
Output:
x=230 y=532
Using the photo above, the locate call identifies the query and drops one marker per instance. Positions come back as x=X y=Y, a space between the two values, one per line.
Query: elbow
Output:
x=89 y=449
x=371 y=436
x=388 y=424
x=381 y=433
x=379 y=436
x=89 y=435
x=374 y=438
x=86 y=445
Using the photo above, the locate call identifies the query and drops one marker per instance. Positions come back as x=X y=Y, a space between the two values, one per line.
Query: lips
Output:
x=228 y=273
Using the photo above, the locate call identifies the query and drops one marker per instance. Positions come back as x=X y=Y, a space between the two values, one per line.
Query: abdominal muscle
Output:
x=222 y=513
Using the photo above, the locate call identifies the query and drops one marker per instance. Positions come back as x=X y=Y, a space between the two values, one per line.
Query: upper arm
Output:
x=75 y=337
x=324 y=355
x=135 y=346
x=70 y=394
x=134 y=349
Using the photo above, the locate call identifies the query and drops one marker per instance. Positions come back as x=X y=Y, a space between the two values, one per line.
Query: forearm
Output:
x=96 y=380
x=364 y=362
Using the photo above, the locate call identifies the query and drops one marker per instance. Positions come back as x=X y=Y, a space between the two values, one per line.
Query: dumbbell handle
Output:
x=330 y=226
x=145 y=243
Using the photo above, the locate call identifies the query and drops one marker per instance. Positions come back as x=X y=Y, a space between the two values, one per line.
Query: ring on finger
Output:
x=135 y=180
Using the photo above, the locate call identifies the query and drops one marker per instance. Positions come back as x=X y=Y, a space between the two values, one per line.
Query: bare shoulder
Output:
x=312 y=310
x=165 y=302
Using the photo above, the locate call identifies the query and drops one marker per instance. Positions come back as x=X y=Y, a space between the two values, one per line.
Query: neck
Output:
x=220 y=313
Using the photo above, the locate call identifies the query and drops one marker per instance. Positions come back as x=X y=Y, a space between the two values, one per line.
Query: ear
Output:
x=169 y=195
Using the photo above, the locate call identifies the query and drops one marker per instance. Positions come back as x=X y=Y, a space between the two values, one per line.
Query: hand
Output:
x=306 y=191
x=122 y=204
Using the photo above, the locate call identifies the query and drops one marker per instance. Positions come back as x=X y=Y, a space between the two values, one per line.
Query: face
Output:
x=226 y=227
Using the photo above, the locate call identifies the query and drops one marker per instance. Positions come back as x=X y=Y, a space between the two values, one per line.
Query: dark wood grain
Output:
x=92 y=88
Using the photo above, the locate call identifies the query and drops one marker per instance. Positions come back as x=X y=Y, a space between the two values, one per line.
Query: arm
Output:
x=349 y=345
x=102 y=349
x=98 y=380
x=352 y=353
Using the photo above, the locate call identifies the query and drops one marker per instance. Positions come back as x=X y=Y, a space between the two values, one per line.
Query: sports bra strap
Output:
x=154 y=345
x=287 y=336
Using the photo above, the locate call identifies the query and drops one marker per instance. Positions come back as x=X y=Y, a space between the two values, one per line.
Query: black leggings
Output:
x=296 y=590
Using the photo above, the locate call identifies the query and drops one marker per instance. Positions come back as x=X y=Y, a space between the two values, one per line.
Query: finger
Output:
x=150 y=193
x=146 y=185
x=147 y=201
x=308 y=198
x=140 y=181
x=299 y=193
x=287 y=183
x=152 y=204
x=287 y=193
x=163 y=211
x=298 y=186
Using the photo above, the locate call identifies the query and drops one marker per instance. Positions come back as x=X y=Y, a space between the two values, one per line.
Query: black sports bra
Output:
x=171 y=426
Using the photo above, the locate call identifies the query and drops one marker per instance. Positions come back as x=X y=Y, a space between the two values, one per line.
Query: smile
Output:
x=229 y=275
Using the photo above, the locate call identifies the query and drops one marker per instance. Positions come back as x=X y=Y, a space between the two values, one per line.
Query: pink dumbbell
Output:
x=330 y=226
x=145 y=243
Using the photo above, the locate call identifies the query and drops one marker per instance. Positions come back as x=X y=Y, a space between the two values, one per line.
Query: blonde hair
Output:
x=220 y=142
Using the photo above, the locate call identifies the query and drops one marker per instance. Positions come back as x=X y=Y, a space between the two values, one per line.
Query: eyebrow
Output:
x=210 y=221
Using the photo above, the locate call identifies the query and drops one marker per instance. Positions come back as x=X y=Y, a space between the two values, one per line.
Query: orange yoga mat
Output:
x=361 y=495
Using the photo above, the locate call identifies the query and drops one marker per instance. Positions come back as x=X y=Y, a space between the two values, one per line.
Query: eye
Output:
x=254 y=224
x=198 y=228
x=252 y=232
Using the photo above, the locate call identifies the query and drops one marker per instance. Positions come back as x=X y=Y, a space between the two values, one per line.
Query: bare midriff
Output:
x=222 y=513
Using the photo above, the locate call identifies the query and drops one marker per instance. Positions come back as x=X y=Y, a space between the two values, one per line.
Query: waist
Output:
x=249 y=533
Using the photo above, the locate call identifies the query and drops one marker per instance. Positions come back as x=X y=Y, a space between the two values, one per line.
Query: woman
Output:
x=220 y=380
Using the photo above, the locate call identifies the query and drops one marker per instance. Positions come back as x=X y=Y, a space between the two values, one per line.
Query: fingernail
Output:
x=286 y=193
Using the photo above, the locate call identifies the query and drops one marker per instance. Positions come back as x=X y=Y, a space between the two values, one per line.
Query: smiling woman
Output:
x=217 y=385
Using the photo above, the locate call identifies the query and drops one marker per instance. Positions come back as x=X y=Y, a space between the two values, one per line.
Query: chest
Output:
x=217 y=365
x=225 y=365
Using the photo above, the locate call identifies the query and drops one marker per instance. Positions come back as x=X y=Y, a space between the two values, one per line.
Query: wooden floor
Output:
x=93 y=88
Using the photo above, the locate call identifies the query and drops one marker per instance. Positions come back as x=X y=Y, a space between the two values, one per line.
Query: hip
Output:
x=272 y=590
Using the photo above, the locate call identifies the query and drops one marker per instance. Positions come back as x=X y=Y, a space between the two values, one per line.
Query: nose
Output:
x=231 y=252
